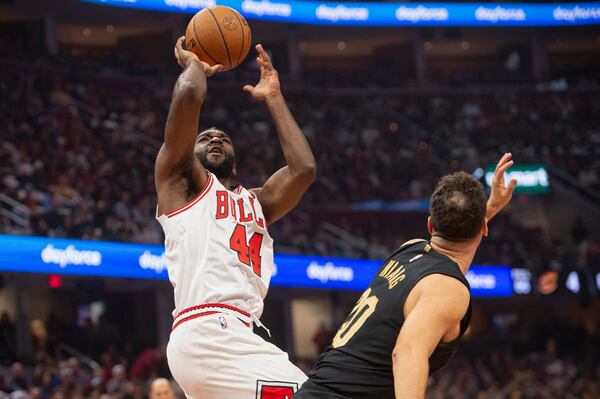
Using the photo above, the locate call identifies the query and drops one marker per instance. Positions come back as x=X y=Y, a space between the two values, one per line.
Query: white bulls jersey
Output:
x=218 y=250
x=220 y=260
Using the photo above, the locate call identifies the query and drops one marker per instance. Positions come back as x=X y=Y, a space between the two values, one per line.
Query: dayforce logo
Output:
x=575 y=13
x=265 y=7
x=481 y=281
x=499 y=14
x=342 y=13
x=158 y=263
x=183 y=4
x=421 y=13
x=70 y=256
x=329 y=272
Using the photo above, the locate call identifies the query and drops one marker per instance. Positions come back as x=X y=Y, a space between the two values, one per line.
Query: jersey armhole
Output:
x=253 y=192
x=192 y=202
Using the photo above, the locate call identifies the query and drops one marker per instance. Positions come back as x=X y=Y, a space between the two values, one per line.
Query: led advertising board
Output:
x=387 y=14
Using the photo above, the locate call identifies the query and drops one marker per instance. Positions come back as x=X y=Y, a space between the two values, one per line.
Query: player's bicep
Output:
x=280 y=194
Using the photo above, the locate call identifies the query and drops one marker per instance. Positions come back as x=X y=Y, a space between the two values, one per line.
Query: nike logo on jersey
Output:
x=414 y=258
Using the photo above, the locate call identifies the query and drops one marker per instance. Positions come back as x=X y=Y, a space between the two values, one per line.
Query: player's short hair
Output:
x=458 y=207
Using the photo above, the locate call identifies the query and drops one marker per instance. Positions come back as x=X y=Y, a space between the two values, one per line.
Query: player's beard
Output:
x=221 y=169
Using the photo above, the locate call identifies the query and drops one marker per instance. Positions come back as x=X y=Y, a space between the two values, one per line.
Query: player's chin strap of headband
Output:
x=259 y=324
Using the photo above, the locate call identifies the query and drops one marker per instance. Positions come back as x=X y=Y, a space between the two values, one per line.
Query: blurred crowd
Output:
x=500 y=375
x=78 y=149
x=68 y=379
x=519 y=356
x=75 y=362
x=509 y=352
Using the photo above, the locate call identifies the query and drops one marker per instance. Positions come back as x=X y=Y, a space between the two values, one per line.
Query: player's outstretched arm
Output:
x=441 y=302
x=285 y=188
x=501 y=194
x=176 y=156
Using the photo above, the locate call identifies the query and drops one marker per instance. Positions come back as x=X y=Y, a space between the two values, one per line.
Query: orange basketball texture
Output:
x=219 y=35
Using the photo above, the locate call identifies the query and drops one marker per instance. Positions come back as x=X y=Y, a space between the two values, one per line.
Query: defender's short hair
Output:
x=458 y=207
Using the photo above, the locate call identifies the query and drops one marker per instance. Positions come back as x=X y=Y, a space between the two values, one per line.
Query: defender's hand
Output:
x=268 y=86
x=186 y=57
x=501 y=194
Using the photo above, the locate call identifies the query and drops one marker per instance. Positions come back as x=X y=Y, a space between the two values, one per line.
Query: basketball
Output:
x=219 y=35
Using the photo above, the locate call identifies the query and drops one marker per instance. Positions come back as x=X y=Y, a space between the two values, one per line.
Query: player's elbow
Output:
x=190 y=91
x=304 y=173
x=404 y=351
x=309 y=172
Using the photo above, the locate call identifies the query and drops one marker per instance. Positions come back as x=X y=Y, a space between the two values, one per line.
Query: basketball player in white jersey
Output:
x=219 y=252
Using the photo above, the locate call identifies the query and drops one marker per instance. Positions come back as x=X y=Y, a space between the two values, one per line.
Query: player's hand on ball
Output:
x=268 y=86
x=501 y=193
x=185 y=57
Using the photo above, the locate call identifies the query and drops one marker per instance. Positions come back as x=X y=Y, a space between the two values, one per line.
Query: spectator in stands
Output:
x=7 y=339
x=161 y=389
x=146 y=364
x=118 y=380
x=18 y=379
x=322 y=338
x=3 y=388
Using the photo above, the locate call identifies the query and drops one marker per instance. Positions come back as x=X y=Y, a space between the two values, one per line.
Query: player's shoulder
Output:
x=444 y=290
x=442 y=284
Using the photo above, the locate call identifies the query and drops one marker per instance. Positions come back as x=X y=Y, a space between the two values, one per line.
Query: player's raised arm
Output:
x=441 y=302
x=501 y=194
x=176 y=156
x=285 y=188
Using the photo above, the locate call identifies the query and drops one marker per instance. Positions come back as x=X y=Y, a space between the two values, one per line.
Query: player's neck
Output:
x=226 y=182
x=460 y=252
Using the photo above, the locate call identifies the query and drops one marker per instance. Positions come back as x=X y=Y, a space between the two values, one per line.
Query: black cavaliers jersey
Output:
x=358 y=364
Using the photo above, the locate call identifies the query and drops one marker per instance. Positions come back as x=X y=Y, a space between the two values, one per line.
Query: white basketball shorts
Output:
x=218 y=356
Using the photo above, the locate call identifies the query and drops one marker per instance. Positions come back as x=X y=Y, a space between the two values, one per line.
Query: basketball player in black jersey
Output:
x=407 y=324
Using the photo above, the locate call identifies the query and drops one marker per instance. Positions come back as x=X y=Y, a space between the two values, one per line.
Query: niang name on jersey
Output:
x=393 y=273
x=228 y=207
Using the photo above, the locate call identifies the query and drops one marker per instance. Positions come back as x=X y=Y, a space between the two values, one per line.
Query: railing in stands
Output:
x=571 y=181
x=15 y=211
x=62 y=349
x=353 y=243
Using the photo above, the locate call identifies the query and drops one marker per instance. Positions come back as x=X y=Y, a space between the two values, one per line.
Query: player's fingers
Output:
x=216 y=68
x=262 y=62
x=248 y=88
x=500 y=171
x=263 y=53
x=263 y=67
x=179 y=45
x=504 y=159
x=511 y=186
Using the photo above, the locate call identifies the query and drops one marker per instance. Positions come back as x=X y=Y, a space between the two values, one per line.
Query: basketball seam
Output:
x=242 y=30
x=200 y=42
x=222 y=37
